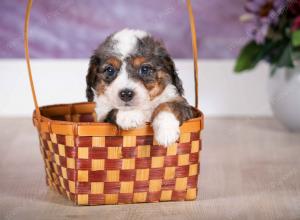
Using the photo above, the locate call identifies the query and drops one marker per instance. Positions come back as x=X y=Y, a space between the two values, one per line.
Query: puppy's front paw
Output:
x=130 y=119
x=166 y=128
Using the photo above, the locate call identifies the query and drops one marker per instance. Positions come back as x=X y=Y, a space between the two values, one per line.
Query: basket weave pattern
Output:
x=126 y=168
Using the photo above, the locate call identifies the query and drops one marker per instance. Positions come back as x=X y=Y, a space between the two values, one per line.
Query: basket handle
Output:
x=194 y=44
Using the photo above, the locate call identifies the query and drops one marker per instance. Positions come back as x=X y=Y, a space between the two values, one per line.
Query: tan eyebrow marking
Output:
x=137 y=61
x=115 y=62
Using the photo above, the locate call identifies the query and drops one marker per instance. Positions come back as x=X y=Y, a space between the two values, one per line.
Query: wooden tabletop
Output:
x=249 y=170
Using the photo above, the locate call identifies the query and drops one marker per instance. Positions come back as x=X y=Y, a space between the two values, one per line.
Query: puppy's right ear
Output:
x=91 y=77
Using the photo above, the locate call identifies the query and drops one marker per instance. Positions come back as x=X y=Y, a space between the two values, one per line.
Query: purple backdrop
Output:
x=73 y=28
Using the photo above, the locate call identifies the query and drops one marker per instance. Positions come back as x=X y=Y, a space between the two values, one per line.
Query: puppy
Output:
x=133 y=80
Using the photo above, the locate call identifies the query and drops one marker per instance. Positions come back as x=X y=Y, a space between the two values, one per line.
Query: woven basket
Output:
x=95 y=163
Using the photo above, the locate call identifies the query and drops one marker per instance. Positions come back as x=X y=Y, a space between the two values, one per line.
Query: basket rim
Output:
x=70 y=128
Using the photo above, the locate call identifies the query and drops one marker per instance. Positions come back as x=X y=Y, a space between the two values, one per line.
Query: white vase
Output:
x=284 y=94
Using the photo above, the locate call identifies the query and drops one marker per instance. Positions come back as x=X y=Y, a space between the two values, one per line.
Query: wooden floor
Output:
x=250 y=169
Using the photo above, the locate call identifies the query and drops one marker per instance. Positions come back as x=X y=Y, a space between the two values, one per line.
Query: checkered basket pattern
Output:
x=93 y=166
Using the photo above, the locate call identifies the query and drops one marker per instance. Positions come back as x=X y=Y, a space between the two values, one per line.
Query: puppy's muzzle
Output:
x=126 y=95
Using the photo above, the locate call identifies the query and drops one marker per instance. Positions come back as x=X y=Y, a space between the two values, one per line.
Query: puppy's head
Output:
x=130 y=68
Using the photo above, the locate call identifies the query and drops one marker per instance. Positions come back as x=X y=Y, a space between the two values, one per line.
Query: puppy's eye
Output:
x=110 y=70
x=145 y=70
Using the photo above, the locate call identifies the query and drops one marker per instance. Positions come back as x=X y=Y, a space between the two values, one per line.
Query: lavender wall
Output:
x=73 y=28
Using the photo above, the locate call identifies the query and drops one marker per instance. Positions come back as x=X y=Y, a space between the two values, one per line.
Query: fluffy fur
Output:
x=133 y=80
x=166 y=128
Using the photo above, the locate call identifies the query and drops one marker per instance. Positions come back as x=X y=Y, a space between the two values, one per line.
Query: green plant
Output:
x=275 y=33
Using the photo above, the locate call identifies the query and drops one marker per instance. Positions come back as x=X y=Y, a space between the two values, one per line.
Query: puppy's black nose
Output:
x=126 y=95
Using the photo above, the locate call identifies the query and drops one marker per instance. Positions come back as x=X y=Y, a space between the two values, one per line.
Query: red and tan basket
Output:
x=95 y=163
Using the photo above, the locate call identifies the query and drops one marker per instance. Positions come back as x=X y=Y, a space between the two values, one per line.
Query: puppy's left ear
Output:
x=176 y=81
x=91 y=77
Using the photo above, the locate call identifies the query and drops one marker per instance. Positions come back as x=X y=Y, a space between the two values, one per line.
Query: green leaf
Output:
x=253 y=53
x=296 y=38
x=276 y=51
x=248 y=57
x=286 y=59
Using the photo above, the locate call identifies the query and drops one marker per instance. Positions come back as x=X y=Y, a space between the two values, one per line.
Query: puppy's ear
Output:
x=91 y=77
x=161 y=51
x=176 y=81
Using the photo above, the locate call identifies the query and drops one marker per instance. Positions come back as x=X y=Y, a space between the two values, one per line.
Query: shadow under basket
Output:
x=95 y=163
